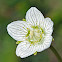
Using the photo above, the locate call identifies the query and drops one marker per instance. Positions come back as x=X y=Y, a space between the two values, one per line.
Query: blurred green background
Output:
x=11 y=10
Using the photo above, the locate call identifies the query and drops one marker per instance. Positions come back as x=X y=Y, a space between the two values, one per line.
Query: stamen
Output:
x=18 y=42
x=24 y=19
x=35 y=35
x=35 y=53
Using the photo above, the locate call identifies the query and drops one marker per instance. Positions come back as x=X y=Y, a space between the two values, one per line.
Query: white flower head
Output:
x=32 y=35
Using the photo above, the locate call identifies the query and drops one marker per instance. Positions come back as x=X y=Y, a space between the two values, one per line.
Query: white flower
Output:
x=33 y=35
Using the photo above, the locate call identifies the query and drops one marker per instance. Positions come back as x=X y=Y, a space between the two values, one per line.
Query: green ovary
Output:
x=35 y=35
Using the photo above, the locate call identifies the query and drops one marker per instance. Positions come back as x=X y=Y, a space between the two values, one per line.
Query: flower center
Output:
x=35 y=35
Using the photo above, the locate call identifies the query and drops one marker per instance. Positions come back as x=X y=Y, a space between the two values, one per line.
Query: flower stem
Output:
x=56 y=53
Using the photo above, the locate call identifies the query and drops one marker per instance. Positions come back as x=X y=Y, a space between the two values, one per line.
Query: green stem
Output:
x=56 y=53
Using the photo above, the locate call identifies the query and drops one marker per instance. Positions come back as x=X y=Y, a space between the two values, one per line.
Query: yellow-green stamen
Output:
x=35 y=35
x=18 y=42
x=35 y=53
x=24 y=19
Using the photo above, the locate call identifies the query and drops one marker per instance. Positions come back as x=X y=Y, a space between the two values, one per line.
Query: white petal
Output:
x=17 y=30
x=47 y=41
x=25 y=49
x=46 y=44
x=34 y=16
x=48 y=26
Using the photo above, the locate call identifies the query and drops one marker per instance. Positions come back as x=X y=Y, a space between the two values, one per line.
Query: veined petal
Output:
x=48 y=26
x=25 y=49
x=17 y=30
x=46 y=44
x=34 y=16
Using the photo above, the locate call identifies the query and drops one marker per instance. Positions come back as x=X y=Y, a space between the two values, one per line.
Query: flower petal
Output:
x=46 y=44
x=48 y=26
x=25 y=49
x=34 y=16
x=17 y=30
